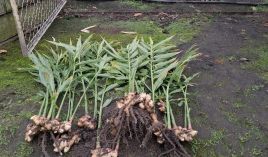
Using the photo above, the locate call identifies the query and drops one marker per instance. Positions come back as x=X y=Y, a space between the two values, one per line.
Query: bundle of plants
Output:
x=143 y=67
x=66 y=77
x=49 y=73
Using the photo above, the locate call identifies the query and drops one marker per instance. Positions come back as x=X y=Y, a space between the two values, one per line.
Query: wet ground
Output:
x=229 y=102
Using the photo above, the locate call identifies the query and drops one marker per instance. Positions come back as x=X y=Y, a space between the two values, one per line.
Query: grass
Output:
x=258 y=56
x=231 y=117
x=7 y=127
x=238 y=105
x=260 y=8
x=6 y=132
x=12 y=114
x=137 y=5
x=244 y=137
x=204 y=147
x=256 y=152
x=249 y=91
x=186 y=29
x=23 y=150
x=200 y=119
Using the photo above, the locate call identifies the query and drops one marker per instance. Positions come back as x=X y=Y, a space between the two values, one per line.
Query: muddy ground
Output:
x=229 y=102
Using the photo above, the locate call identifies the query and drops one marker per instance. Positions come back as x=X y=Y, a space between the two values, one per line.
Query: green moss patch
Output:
x=10 y=75
x=186 y=29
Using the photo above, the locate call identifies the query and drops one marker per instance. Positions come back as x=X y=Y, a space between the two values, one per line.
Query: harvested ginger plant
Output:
x=134 y=115
x=129 y=118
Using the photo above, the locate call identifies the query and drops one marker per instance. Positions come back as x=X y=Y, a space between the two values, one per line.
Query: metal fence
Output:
x=33 y=17
x=4 y=7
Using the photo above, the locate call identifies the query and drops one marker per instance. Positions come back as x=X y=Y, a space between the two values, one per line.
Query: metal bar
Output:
x=19 y=27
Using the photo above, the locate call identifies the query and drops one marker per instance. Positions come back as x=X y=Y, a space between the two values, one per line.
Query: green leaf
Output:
x=163 y=74
x=161 y=42
x=107 y=102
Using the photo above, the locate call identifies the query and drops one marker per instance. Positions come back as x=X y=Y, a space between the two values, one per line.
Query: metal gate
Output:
x=33 y=17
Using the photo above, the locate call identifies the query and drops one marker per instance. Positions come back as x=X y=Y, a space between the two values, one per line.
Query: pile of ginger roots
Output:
x=127 y=113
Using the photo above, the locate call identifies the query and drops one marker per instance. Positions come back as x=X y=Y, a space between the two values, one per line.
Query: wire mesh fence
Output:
x=33 y=17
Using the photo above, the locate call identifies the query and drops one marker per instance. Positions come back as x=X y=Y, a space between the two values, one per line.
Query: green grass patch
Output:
x=204 y=147
x=186 y=29
x=238 y=105
x=139 y=5
x=231 y=117
x=183 y=29
x=260 y=8
x=11 y=117
x=7 y=128
x=23 y=150
x=258 y=60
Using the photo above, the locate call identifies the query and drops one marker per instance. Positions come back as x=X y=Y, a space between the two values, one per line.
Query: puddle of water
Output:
x=7 y=27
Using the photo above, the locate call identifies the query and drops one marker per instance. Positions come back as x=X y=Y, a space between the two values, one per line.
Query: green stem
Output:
x=69 y=106
x=168 y=108
x=129 y=75
x=42 y=107
x=53 y=105
x=86 y=103
x=152 y=75
x=62 y=102
x=45 y=110
x=78 y=104
x=95 y=97
x=189 y=119
x=100 y=115
x=173 y=118
x=100 y=109
x=72 y=105
x=185 y=106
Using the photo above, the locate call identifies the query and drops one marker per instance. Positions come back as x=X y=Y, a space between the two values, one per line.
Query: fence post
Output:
x=19 y=28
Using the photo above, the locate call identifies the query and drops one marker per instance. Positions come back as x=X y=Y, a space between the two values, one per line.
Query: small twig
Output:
x=86 y=30
x=130 y=33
